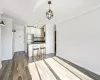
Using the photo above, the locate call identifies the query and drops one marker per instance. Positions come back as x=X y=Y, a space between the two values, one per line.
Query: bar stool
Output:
x=33 y=52
x=42 y=50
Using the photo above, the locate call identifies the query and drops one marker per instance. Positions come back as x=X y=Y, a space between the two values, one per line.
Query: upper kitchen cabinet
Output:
x=38 y=32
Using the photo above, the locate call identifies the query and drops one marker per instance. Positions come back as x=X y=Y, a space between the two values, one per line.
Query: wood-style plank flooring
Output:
x=45 y=70
x=45 y=67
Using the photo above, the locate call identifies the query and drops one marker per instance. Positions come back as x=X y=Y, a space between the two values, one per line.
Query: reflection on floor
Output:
x=42 y=67
x=40 y=57
x=54 y=69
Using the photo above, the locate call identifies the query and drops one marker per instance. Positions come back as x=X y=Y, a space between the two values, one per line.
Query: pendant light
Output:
x=2 y=23
x=49 y=13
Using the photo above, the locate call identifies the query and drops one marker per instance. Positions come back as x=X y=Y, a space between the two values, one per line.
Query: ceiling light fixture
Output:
x=49 y=13
x=2 y=23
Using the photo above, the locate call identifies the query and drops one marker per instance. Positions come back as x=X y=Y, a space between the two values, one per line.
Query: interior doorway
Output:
x=41 y=36
x=36 y=43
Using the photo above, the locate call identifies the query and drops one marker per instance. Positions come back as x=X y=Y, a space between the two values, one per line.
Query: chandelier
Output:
x=49 y=13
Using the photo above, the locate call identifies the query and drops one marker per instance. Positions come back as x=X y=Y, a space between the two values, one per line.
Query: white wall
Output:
x=6 y=38
x=49 y=39
x=25 y=38
x=0 y=40
x=0 y=47
x=78 y=40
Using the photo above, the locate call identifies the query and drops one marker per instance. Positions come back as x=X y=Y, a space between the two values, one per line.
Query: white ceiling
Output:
x=33 y=11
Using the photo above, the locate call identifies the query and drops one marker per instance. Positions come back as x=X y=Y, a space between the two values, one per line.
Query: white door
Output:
x=19 y=38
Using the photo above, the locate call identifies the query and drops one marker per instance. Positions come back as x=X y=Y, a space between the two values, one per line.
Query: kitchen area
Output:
x=36 y=40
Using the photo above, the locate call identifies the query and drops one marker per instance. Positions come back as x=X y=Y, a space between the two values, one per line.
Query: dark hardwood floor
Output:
x=17 y=68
